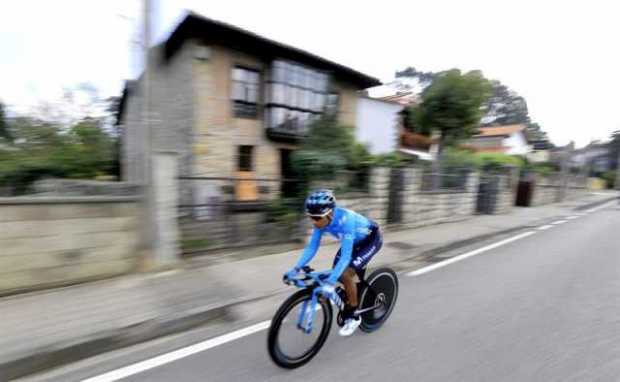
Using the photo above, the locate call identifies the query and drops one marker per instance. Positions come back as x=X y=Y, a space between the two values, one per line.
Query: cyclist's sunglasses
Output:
x=316 y=218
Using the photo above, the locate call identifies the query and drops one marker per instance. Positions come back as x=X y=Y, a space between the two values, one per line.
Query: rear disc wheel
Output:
x=381 y=292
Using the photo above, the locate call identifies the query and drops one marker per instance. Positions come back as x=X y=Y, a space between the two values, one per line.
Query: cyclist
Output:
x=360 y=240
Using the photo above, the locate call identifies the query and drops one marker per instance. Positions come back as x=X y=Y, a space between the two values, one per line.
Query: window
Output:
x=332 y=103
x=245 y=88
x=296 y=96
x=245 y=158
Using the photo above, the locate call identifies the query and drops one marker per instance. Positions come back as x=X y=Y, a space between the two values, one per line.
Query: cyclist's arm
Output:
x=311 y=249
x=346 y=250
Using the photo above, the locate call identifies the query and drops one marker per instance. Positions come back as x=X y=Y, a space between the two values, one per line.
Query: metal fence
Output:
x=445 y=181
x=223 y=212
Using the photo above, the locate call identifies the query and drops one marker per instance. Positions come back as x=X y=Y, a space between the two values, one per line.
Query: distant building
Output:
x=594 y=156
x=508 y=139
x=378 y=124
x=541 y=152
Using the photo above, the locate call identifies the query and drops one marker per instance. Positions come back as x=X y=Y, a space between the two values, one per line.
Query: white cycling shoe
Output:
x=349 y=326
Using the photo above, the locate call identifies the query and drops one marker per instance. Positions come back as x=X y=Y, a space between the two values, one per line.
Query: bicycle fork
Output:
x=306 y=316
x=309 y=309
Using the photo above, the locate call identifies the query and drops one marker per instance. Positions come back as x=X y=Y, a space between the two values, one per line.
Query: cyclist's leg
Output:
x=348 y=279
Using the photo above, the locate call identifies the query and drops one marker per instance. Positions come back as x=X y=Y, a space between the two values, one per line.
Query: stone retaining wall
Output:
x=552 y=189
x=55 y=241
x=422 y=208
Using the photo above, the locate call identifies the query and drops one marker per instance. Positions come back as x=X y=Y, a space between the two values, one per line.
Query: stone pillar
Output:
x=379 y=191
x=472 y=186
x=165 y=214
x=409 y=196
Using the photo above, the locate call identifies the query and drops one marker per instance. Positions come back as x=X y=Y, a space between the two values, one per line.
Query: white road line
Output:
x=464 y=256
x=545 y=227
x=572 y=217
x=177 y=354
x=559 y=222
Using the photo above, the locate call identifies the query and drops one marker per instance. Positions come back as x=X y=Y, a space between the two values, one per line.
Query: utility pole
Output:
x=149 y=234
x=161 y=168
x=618 y=176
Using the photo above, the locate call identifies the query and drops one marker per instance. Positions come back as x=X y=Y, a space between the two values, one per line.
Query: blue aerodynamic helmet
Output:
x=320 y=202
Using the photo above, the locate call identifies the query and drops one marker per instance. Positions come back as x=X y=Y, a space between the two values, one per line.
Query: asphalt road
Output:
x=542 y=308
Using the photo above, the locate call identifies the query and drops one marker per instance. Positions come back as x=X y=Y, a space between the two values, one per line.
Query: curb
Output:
x=596 y=204
x=63 y=354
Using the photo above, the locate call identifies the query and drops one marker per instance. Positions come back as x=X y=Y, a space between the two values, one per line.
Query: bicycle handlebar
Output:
x=308 y=275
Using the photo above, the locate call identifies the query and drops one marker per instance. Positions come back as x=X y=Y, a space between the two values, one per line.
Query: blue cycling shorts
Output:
x=364 y=250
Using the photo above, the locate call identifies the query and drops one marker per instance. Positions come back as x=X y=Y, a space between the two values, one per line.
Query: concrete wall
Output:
x=377 y=125
x=55 y=241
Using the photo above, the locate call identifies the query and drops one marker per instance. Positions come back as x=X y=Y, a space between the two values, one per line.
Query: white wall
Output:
x=517 y=145
x=377 y=125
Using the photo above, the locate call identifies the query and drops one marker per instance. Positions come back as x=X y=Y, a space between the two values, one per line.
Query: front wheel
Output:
x=290 y=347
x=381 y=293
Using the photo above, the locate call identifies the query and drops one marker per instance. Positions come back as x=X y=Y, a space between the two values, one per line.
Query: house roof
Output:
x=499 y=131
x=217 y=32
x=405 y=99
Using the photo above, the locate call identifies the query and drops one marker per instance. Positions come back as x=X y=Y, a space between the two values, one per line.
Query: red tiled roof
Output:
x=498 y=131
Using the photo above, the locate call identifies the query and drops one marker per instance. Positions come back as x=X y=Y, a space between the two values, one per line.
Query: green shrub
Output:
x=388 y=160
x=610 y=178
x=283 y=211
x=457 y=159
x=497 y=161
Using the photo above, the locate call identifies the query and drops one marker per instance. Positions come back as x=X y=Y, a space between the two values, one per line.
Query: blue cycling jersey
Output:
x=347 y=226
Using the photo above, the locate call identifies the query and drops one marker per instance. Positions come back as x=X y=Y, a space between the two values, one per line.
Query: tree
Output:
x=328 y=148
x=4 y=126
x=614 y=149
x=451 y=106
x=534 y=133
x=60 y=141
x=423 y=79
x=506 y=107
x=503 y=107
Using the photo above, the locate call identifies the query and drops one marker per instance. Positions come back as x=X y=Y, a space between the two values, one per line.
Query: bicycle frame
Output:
x=313 y=280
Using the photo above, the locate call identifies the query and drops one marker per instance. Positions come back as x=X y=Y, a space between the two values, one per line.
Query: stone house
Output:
x=232 y=104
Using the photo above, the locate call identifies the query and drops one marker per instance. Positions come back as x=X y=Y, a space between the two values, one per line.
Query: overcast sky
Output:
x=563 y=57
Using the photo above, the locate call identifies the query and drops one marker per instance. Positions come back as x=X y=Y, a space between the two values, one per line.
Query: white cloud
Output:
x=561 y=56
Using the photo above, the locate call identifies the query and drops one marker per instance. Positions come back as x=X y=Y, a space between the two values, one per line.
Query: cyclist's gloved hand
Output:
x=327 y=290
x=290 y=274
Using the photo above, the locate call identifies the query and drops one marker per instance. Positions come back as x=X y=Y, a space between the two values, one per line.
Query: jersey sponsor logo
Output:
x=365 y=231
